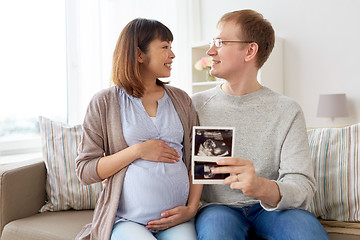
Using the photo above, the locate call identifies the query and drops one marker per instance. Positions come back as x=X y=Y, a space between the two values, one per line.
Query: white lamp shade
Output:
x=333 y=105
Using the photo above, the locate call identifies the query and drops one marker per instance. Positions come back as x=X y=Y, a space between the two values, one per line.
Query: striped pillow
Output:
x=59 y=145
x=335 y=156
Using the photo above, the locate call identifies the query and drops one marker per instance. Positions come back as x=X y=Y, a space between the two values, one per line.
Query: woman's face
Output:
x=158 y=59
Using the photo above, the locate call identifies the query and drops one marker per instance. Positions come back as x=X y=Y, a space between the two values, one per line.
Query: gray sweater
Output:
x=270 y=131
x=102 y=135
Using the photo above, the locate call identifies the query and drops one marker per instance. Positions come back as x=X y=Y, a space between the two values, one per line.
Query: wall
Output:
x=321 y=50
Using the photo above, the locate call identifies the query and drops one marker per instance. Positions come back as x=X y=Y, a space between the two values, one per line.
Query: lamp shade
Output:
x=333 y=105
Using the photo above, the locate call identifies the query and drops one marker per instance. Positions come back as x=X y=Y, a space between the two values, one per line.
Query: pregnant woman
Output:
x=137 y=136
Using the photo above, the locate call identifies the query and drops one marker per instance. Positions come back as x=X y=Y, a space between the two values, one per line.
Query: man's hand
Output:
x=172 y=218
x=243 y=177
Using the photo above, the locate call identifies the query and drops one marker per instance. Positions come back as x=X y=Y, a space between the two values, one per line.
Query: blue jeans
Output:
x=219 y=222
x=136 y=231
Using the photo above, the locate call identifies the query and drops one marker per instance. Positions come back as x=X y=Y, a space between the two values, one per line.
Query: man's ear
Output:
x=140 y=55
x=252 y=51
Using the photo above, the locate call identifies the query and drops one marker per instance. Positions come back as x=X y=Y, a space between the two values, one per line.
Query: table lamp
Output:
x=332 y=106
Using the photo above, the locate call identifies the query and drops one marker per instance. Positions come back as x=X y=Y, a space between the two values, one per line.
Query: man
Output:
x=271 y=182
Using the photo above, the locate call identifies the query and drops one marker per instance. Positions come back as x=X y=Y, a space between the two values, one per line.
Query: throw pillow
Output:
x=335 y=156
x=59 y=145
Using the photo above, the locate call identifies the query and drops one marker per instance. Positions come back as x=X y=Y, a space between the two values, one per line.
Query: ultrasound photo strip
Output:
x=209 y=145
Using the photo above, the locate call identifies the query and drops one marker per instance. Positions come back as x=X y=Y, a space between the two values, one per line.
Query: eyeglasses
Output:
x=219 y=42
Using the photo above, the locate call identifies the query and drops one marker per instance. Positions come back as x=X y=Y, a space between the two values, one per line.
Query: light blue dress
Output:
x=151 y=187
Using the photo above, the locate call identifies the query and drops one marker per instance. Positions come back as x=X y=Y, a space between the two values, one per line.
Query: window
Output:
x=33 y=70
x=55 y=55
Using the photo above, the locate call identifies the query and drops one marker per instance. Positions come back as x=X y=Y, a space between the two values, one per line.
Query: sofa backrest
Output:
x=335 y=156
x=22 y=190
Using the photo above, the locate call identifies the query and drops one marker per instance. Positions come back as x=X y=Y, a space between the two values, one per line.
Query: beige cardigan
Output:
x=102 y=135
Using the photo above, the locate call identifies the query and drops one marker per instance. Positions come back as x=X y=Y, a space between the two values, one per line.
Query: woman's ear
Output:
x=252 y=51
x=140 y=55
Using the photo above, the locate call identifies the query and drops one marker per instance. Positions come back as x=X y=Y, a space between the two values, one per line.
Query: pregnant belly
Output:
x=152 y=187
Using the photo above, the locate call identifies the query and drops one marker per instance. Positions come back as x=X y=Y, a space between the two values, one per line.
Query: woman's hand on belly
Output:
x=172 y=218
x=157 y=151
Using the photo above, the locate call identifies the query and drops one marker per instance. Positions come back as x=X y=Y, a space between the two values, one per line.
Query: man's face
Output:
x=228 y=60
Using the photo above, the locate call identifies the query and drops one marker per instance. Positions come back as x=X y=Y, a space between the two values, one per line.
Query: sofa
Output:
x=22 y=194
x=24 y=190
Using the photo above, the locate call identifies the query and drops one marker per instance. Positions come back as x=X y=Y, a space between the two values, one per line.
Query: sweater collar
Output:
x=254 y=95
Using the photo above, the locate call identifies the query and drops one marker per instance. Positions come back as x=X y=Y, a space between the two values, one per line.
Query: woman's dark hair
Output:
x=137 y=34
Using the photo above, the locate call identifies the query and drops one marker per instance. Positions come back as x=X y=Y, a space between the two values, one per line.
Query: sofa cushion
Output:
x=62 y=225
x=60 y=143
x=335 y=156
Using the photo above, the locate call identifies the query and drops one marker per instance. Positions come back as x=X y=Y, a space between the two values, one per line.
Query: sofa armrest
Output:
x=22 y=190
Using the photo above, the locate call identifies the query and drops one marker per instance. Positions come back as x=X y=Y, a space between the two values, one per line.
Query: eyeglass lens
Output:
x=217 y=42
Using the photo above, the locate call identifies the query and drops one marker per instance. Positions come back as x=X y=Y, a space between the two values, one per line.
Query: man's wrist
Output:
x=269 y=192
